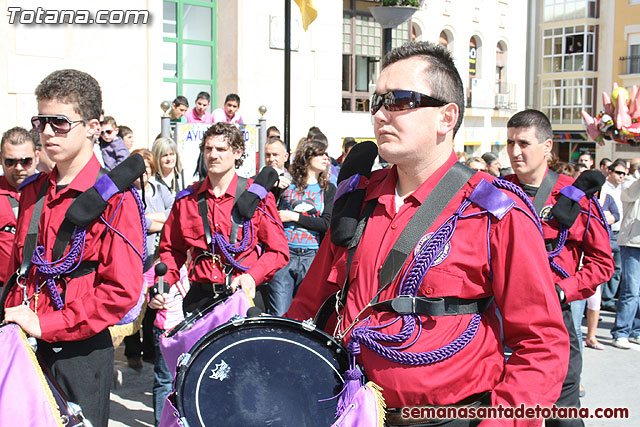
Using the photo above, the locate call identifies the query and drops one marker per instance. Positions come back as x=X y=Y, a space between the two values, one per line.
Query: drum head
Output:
x=264 y=372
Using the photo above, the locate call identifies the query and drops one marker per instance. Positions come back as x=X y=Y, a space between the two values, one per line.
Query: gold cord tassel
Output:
x=381 y=406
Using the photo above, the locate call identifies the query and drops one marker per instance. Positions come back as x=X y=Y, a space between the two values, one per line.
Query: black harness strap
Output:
x=203 y=210
x=544 y=191
x=440 y=306
x=430 y=209
x=14 y=204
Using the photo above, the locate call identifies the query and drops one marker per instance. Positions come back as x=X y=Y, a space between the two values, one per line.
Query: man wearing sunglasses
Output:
x=100 y=280
x=19 y=159
x=417 y=108
x=575 y=231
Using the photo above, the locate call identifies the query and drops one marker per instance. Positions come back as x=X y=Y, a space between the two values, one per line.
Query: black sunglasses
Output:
x=107 y=131
x=59 y=124
x=620 y=173
x=26 y=162
x=397 y=100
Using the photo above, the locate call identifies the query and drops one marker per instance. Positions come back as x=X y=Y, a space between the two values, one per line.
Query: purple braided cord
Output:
x=65 y=264
x=143 y=222
x=419 y=267
x=510 y=186
x=228 y=249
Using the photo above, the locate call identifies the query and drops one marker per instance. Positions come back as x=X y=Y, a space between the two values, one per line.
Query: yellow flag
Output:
x=308 y=10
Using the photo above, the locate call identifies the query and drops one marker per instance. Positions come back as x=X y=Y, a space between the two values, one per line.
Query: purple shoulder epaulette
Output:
x=28 y=180
x=184 y=193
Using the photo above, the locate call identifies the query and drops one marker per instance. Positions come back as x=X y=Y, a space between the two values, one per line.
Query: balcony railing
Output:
x=630 y=64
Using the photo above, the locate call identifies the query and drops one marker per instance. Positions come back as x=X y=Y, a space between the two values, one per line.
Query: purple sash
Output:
x=24 y=391
x=366 y=409
x=170 y=416
x=181 y=342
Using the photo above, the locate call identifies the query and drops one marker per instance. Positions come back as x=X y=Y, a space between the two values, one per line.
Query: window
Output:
x=634 y=59
x=564 y=10
x=189 y=48
x=361 y=52
x=564 y=99
x=569 y=49
x=474 y=69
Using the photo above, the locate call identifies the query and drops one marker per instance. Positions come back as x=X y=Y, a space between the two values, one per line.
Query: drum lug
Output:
x=237 y=320
x=308 y=325
x=183 y=359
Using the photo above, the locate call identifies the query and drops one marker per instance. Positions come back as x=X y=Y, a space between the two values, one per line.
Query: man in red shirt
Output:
x=19 y=160
x=261 y=247
x=484 y=255
x=70 y=314
x=585 y=260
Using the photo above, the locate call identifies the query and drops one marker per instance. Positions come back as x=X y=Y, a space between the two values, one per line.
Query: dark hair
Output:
x=271 y=129
x=232 y=97
x=489 y=157
x=204 y=95
x=616 y=163
x=149 y=157
x=274 y=140
x=316 y=133
x=300 y=165
x=441 y=74
x=604 y=161
x=180 y=100
x=124 y=131
x=73 y=87
x=18 y=136
x=109 y=120
x=532 y=119
x=348 y=142
x=587 y=154
x=564 y=168
x=233 y=135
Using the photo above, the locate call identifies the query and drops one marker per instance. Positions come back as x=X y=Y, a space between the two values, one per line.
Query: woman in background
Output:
x=169 y=168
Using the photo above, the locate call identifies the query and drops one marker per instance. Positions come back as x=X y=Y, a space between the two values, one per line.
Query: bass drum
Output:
x=262 y=371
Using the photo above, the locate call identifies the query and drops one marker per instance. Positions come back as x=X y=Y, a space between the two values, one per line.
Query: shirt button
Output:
x=394 y=226
x=428 y=291
x=379 y=268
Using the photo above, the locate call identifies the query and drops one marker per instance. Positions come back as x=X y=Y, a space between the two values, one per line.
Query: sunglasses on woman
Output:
x=398 y=100
x=59 y=124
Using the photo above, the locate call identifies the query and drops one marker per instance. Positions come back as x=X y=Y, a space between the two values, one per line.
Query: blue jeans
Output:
x=610 y=288
x=162 y=378
x=285 y=283
x=577 y=312
x=627 y=311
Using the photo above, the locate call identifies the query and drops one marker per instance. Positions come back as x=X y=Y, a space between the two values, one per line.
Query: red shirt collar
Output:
x=231 y=189
x=388 y=185
x=6 y=188
x=85 y=179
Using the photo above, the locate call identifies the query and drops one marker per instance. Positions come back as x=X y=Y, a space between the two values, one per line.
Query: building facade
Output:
x=236 y=46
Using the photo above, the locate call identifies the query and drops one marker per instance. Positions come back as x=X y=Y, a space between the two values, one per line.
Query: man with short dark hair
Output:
x=604 y=166
x=612 y=186
x=229 y=112
x=576 y=237
x=586 y=158
x=19 y=159
x=199 y=114
x=258 y=259
x=273 y=132
x=347 y=144
x=69 y=306
x=471 y=251
x=179 y=107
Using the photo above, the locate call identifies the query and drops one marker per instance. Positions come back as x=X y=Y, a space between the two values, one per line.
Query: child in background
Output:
x=113 y=148
x=126 y=134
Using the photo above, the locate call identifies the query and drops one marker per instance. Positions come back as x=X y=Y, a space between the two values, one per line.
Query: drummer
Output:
x=261 y=254
x=495 y=258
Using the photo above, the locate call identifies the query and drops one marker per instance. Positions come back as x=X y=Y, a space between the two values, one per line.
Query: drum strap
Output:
x=203 y=210
x=544 y=191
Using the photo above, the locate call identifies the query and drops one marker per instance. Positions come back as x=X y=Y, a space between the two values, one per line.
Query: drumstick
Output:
x=161 y=270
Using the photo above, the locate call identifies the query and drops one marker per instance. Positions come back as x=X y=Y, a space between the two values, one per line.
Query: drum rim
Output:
x=188 y=322
x=253 y=322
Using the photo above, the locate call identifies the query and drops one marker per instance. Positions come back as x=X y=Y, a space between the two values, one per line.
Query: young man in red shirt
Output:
x=19 y=160
x=71 y=311
x=265 y=250
x=581 y=254
x=478 y=258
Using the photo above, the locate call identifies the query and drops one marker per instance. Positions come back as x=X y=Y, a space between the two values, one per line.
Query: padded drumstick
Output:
x=254 y=312
x=161 y=270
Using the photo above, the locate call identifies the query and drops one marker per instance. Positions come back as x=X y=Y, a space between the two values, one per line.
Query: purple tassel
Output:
x=352 y=383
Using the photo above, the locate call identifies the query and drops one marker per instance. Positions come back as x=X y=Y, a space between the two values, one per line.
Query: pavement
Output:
x=611 y=378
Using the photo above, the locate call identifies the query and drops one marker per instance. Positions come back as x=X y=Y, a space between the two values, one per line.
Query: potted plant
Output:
x=394 y=12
